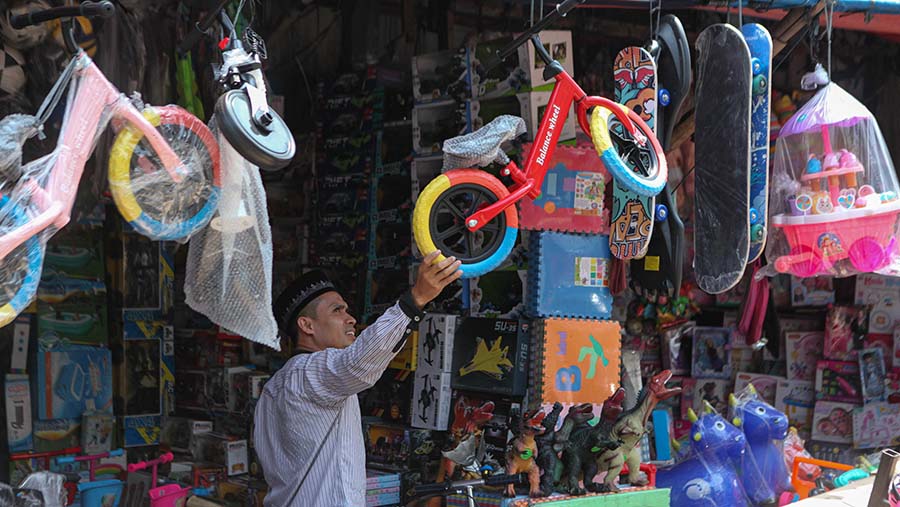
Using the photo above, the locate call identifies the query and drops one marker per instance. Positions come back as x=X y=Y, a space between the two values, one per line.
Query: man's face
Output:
x=331 y=325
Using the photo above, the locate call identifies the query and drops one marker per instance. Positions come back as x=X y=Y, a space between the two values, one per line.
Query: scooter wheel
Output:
x=270 y=150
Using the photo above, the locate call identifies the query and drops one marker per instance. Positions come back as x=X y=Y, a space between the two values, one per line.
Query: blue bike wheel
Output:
x=20 y=271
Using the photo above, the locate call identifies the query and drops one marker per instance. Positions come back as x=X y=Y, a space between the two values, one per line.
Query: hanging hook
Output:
x=829 y=15
x=740 y=13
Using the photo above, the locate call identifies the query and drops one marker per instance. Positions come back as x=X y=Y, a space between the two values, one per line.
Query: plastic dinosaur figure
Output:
x=521 y=452
x=548 y=459
x=546 y=455
x=629 y=428
x=579 y=456
x=467 y=448
x=492 y=361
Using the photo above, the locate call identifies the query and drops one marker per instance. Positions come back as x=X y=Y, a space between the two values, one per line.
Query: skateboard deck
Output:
x=659 y=272
x=632 y=214
x=760 y=44
x=722 y=158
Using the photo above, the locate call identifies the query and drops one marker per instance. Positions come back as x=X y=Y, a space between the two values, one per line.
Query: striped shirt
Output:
x=302 y=400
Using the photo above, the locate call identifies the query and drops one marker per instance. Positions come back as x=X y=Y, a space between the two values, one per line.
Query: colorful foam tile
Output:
x=581 y=360
x=569 y=276
x=571 y=196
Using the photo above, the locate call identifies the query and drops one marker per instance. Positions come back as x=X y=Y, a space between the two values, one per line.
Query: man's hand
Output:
x=433 y=277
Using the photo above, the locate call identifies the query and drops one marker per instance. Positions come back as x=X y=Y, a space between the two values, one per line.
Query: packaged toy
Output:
x=834 y=198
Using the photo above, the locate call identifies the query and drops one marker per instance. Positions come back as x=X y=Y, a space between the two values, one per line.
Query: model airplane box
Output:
x=431 y=400
x=491 y=355
x=435 y=347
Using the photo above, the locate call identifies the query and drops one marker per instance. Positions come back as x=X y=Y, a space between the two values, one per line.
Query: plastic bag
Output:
x=229 y=266
x=482 y=147
x=49 y=485
x=835 y=199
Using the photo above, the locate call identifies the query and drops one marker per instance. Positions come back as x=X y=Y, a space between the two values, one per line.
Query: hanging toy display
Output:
x=835 y=194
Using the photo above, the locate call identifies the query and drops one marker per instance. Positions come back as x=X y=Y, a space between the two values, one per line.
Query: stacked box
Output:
x=431 y=388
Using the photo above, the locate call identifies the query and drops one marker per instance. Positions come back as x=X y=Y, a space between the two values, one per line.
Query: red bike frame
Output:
x=528 y=182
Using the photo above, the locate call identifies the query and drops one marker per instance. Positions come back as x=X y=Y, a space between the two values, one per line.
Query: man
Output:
x=308 y=431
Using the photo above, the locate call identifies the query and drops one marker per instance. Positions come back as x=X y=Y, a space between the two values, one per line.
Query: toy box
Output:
x=830 y=451
x=876 y=425
x=491 y=355
x=56 y=435
x=441 y=76
x=882 y=294
x=423 y=170
x=796 y=398
x=18 y=412
x=838 y=381
x=526 y=72
x=222 y=450
x=97 y=433
x=408 y=357
x=675 y=345
x=79 y=323
x=845 y=331
x=72 y=380
x=142 y=282
x=817 y=291
x=75 y=252
x=386 y=444
x=237 y=390
x=802 y=351
x=431 y=400
x=437 y=122
x=55 y=289
x=765 y=385
x=711 y=353
x=714 y=391
x=872 y=375
x=138 y=374
x=139 y=430
x=435 y=347
x=178 y=432
x=833 y=422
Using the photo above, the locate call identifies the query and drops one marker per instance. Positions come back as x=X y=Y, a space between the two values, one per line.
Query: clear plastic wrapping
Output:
x=229 y=266
x=834 y=196
x=147 y=194
x=482 y=147
x=765 y=428
x=49 y=485
x=718 y=470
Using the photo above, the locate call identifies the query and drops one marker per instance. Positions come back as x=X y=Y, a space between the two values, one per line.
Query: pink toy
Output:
x=839 y=207
x=166 y=495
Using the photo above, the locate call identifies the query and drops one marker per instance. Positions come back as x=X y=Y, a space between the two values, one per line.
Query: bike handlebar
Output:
x=200 y=28
x=447 y=487
x=89 y=457
x=141 y=465
x=560 y=12
x=103 y=9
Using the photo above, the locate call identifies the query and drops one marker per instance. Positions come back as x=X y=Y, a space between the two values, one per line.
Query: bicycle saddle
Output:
x=482 y=147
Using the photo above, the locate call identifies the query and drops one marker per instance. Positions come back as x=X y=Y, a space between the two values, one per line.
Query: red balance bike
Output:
x=469 y=214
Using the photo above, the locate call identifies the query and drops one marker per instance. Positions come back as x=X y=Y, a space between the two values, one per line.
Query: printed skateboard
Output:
x=722 y=158
x=632 y=214
x=658 y=274
x=760 y=44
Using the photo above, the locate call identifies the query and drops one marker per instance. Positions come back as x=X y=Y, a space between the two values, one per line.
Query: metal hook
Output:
x=829 y=15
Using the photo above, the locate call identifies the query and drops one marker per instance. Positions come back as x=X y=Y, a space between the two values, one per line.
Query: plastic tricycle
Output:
x=167 y=495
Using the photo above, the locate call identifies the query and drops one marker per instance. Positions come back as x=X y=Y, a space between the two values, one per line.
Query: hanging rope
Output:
x=829 y=14
x=740 y=13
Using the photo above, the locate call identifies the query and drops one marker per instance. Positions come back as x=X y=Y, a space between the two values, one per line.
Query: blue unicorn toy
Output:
x=710 y=475
x=765 y=428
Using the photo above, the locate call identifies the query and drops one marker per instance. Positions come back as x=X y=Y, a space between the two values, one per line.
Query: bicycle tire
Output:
x=24 y=293
x=428 y=207
x=648 y=186
x=191 y=136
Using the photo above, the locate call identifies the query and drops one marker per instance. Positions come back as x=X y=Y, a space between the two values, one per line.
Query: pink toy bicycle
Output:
x=163 y=166
x=168 y=495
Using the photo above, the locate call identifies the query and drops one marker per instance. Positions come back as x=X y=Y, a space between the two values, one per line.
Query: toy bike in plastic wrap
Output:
x=469 y=214
x=163 y=166
x=836 y=189
x=170 y=495
x=255 y=130
x=717 y=467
